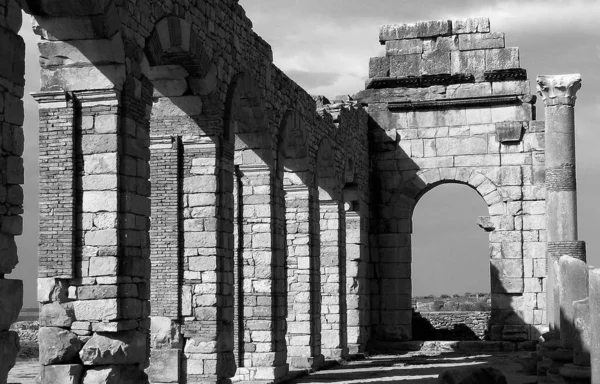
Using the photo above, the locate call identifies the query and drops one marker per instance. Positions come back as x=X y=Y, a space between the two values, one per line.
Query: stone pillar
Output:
x=357 y=299
x=573 y=286
x=263 y=278
x=558 y=93
x=594 y=308
x=333 y=280
x=98 y=316
x=12 y=70
x=206 y=291
x=303 y=351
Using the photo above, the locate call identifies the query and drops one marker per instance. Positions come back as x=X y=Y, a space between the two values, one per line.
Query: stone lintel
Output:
x=104 y=97
x=559 y=89
x=418 y=82
x=455 y=103
x=254 y=169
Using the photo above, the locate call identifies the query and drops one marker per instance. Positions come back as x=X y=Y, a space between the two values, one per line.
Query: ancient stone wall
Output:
x=453 y=326
x=12 y=70
x=450 y=104
x=189 y=200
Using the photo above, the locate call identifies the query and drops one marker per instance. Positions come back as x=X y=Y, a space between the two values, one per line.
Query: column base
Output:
x=261 y=374
x=335 y=353
x=301 y=362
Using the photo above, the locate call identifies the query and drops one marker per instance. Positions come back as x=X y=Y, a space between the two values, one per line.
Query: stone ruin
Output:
x=204 y=219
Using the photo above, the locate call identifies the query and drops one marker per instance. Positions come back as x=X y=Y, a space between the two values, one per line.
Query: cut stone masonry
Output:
x=204 y=219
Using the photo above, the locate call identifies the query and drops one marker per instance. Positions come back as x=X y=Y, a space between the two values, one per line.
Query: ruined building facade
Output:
x=203 y=218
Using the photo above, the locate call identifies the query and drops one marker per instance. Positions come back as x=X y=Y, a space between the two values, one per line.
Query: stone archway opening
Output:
x=446 y=243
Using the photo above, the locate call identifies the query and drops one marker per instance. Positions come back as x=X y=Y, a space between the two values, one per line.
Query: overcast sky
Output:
x=325 y=46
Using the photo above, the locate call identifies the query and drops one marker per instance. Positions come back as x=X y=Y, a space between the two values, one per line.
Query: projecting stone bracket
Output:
x=509 y=131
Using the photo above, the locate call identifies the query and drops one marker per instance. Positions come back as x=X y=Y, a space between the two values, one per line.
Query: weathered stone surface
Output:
x=420 y=29
x=379 y=67
x=96 y=51
x=11 y=301
x=164 y=333
x=89 y=310
x=83 y=78
x=58 y=346
x=473 y=25
x=8 y=250
x=8 y=352
x=114 y=348
x=405 y=65
x=114 y=374
x=498 y=59
x=177 y=106
x=62 y=374
x=51 y=289
x=403 y=47
x=164 y=366
x=474 y=41
x=57 y=315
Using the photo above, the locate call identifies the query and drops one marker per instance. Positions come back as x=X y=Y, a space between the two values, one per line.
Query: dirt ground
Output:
x=411 y=367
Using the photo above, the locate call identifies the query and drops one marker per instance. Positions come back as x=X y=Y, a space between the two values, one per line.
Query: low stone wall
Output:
x=450 y=325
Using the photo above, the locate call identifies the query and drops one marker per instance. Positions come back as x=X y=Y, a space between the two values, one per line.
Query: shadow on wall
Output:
x=398 y=183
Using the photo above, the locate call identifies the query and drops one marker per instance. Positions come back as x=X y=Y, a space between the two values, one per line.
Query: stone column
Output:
x=303 y=351
x=558 y=93
x=333 y=280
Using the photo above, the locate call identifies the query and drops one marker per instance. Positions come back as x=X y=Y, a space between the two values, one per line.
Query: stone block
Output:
x=106 y=124
x=57 y=315
x=105 y=237
x=468 y=62
x=93 y=144
x=83 y=78
x=105 y=163
x=520 y=87
x=472 y=25
x=100 y=182
x=164 y=366
x=103 y=266
x=8 y=250
x=177 y=106
x=92 y=51
x=8 y=353
x=415 y=30
x=114 y=374
x=58 y=346
x=476 y=41
x=498 y=59
x=13 y=109
x=99 y=201
x=96 y=310
x=15 y=173
x=114 y=348
x=96 y=292
x=51 y=289
x=61 y=374
x=11 y=301
x=405 y=65
x=379 y=67
x=435 y=63
x=459 y=91
x=403 y=47
x=445 y=43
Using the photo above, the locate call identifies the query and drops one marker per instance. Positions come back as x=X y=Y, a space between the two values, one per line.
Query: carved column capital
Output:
x=559 y=89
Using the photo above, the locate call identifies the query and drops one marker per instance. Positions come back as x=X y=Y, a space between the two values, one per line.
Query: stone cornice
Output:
x=53 y=99
x=559 y=89
x=458 y=103
x=105 y=97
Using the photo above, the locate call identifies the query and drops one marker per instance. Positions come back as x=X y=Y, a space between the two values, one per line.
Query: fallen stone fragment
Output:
x=114 y=348
x=58 y=346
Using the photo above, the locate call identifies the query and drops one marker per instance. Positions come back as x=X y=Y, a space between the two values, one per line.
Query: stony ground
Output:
x=412 y=367
x=417 y=368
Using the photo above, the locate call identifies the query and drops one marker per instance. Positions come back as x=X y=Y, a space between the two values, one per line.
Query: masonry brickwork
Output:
x=203 y=218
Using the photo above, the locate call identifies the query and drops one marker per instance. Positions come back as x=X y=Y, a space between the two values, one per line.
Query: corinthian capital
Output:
x=559 y=89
